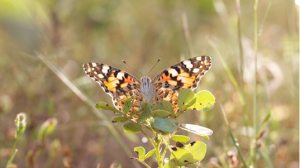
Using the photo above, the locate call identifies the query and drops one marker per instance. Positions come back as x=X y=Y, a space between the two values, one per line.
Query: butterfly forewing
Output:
x=186 y=74
x=117 y=83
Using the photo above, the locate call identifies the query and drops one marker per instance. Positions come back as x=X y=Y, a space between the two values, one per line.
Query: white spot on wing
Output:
x=104 y=70
x=189 y=65
x=196 y=70
x=101 y=76
x=186 y=62
x=198 y=58
x=173 y=72
x=88 y=70
x=105 y=67
x=94 y=64
x=120 y=75
x=95 y=72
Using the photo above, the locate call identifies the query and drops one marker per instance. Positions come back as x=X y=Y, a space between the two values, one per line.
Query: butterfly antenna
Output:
x=154 y=66
x=131 y=67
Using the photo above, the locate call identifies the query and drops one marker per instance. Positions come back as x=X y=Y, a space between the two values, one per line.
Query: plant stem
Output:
x=233 y=139
x=153 y=143
x=167 y=145
x=238 y=11
x=254 y=90
x=229 y=73
x=13 y=154
x=159 y=161
x=141 y=161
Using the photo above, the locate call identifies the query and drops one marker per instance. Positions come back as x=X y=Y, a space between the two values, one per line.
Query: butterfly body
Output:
x=164 y=87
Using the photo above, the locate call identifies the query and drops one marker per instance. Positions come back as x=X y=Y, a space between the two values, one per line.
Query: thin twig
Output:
x=232 y=79
x=255 y=85
x=233 y=139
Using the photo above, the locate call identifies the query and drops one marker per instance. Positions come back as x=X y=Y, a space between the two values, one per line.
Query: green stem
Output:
x=141 y=161
x=153 y=143
x=254 y=91
x=266 y=158
x=228 y=71
x=159 y=161
x=13 y=154
x=233 y=139
x=167 y=145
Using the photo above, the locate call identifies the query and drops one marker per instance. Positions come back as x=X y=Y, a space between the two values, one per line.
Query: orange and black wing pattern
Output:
x=186 y=74
x=119 y=84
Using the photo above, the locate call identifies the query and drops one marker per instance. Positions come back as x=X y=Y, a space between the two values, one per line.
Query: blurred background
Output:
x=68 y=33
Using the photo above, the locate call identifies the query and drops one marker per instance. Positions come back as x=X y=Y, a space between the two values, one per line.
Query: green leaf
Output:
x=197 y=149
x=119 y=119
x=181 y=156
x=205 y=101
x=206 y=137
x=180 y=138
x=145 y=115
x=150 y=153
x=266 y=119
x=134 y=113
x=161 y=113
x=186 y=98
x=141 y=152
x=132 y=128
x=196 y=129
x=128 y=104
x=170 y=164
x=165 y=105
x=165 y=124
x=47 y=128
x=105 y=106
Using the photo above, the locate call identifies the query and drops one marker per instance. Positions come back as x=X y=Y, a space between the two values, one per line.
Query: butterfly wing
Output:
x=186 y=74
x=119 y=84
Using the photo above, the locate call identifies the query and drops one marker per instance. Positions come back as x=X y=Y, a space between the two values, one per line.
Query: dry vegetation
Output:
x=69 y=33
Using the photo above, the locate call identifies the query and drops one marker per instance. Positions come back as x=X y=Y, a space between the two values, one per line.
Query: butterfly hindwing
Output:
x=186 y=74
x=117 y=83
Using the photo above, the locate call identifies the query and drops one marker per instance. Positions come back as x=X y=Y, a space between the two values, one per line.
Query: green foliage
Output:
x=186 y=98
x=128 y=104
x=160 y=120
x=166 y=124
x=20 y=123
x=204 y=102
x=145 y=114
x=167 y=106
x=141 y=152
x=105 y=106
x=180 y=138
x=192 y=153
x=150 y=153
x=132 y=127
x=161 y=113
x=119 y=119
x=47 y=128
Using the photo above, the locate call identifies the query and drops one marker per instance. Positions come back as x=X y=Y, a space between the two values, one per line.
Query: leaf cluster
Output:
x=160 y=119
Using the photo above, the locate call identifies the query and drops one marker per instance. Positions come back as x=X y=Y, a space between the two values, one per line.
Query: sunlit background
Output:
x=69 y=33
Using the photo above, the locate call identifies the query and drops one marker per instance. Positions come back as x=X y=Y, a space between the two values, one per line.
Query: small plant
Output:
x=160 y=119
x=20 y=122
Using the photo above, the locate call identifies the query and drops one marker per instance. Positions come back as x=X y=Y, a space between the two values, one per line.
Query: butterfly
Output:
x=120 y=85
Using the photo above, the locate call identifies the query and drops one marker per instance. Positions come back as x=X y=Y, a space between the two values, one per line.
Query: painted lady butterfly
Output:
x=165 y=86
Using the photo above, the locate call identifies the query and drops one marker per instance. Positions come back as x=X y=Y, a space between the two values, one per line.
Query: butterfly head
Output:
x=145 y=79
